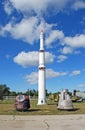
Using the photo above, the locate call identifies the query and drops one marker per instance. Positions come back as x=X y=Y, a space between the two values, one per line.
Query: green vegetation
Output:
x=5 y=91
x=7 y=108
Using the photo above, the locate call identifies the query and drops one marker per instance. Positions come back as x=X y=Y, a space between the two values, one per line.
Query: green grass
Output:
x=7 y=108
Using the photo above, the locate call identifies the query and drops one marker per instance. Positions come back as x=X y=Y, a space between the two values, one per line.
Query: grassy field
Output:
x=7 y=108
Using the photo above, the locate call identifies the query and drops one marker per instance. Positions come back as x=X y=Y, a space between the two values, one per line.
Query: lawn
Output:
x=7 y=108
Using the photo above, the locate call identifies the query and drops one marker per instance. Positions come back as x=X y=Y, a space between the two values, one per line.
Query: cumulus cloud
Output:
x=75 y=72
x=8 y=8
x=49 y=57
x=38 y=6
x=28 y=29
x=66 y=50
x=29 y=5
x=51 y=73
x=76 y=41
x=26 y=59
x=54 y=36
x=78 y=5
x=61 y=58
x=23 y=30
x=33 y=77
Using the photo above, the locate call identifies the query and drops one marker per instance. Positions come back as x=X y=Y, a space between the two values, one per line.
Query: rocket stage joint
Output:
x=41 y=68
x=41 y=50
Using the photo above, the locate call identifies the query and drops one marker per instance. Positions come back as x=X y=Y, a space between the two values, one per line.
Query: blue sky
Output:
x=63 y=23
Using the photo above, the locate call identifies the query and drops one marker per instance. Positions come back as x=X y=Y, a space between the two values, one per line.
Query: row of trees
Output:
x=5 y=91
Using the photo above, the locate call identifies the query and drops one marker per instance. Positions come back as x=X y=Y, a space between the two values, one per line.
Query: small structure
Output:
x=22 y=103
x=65 y=102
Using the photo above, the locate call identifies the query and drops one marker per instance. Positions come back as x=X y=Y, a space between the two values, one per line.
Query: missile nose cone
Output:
x=41 y=30
x=41 y=40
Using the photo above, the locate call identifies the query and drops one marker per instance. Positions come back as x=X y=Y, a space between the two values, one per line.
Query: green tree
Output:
x=13 y=93
x=32 y=92
x=4 y=90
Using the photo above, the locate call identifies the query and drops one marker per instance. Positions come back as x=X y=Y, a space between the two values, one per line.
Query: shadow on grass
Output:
x=29 y=110
x=33 y=110
x=74 y=109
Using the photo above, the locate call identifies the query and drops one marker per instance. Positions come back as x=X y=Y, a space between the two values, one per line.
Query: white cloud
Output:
x=29 y=5
x=8 y=8
x=27 y=59
x=76 y=41
x=66 y=50
x=49 y=57
x=82 y=85
x=28 y=29
x=69 y=50
x=38 y=6
x=23 y=30
x=78 y=5
x=51 y=73
x=75 y=72
x=54 y=36
x=61 y=58
x=33 y=77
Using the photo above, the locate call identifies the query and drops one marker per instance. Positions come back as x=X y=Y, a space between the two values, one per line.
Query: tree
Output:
x=32 y=92
x=4 y=90
x=47 y=94
x=13 y=93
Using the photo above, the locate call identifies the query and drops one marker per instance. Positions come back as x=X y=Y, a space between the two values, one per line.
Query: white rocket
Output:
x=41 y=73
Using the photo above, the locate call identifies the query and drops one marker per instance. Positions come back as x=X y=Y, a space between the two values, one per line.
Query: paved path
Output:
x=47 y=122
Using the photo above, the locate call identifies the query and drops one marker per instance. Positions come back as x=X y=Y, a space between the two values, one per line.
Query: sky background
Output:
x=63 y=23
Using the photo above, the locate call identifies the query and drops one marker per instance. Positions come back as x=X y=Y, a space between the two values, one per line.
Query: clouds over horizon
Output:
x=32 y=78
x=50 y=73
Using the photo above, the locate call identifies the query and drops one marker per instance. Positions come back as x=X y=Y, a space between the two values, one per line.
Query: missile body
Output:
x=41 y=73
